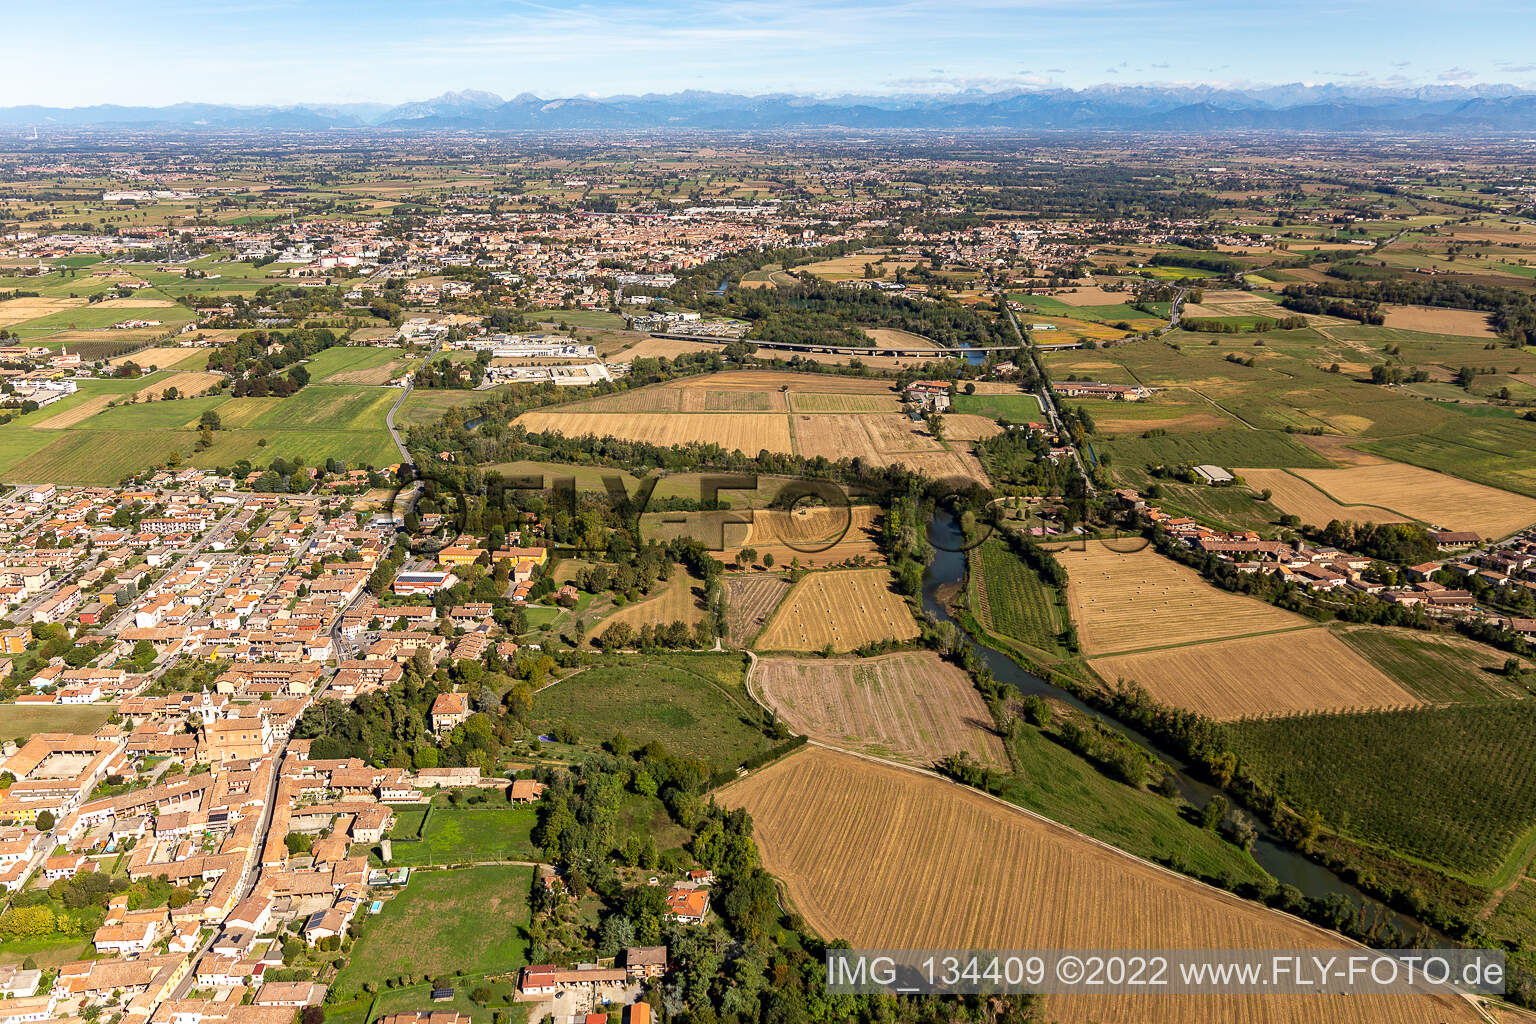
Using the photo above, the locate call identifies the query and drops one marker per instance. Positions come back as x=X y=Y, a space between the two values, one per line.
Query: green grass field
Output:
x=596 y=318
x=17 y=721
x=1012 y=408
x=425 y=405
x=469 y=919
x=320 y=422
x=1055 y=782
x=1452 y=787
x=695 y=704
x=458 y=835
x=1232 y=446
x=91 y=318
x=349 y=359
x=1434 y=670
x=1488 y=450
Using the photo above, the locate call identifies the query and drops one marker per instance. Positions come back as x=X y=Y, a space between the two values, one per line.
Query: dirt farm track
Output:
x=886 y=857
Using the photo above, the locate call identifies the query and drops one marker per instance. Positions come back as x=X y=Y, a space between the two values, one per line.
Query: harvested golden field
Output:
x=812 y=401
x=1292 y=494
x=731 y=400
x=162 y=358
x=912 y=706
x=749 y=432
x=851 y=267
x=677 y=600
x=1465 y=323
x=1092 y=296
x=886 y=857
x=818 y=537
x=1195 y=419
x=750 y=599
x=845 y=608
x=1440 y=500
x=895 y=338
x=835 y=436
x=134 y=302
x=664 y=348
x=1124 y=602
x=814 y=535
x=776 y=379
x=79 y=414
x=962 y=426
x=997 y=387
x=1074 y=328
x=15 y=311
x=187 y=385
x=1299 y=671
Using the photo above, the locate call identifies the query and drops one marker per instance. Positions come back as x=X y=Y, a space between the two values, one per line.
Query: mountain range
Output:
x=1111 y=108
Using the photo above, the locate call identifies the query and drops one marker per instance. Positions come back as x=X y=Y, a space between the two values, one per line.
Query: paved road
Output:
x=252 y=872
x=389 y=417
x=1043 y=395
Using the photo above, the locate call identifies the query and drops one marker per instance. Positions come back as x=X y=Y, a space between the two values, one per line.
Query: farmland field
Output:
x=1127 y=601
x=67 y=442
x=470 y=919
x=1439 y=320
x=1435 y=498
x=1009 y=597
x=1147 y=619
x=162 y=358
x=356 y=364
x=750 y=411
x=749 y=433
x=15 y=311
x=814 y=401
x=1294 y=495
x=750 y=600
x=697 y=705
x=887 y=858
x=1276 y=674
x=187 y=384
x=814 y=535
x=912 y=706
x=1455 y=786
x=1234 y=446
x=845 y=609
x=1436 y=667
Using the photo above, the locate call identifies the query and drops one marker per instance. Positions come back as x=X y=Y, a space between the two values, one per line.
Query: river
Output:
x=1286 y=865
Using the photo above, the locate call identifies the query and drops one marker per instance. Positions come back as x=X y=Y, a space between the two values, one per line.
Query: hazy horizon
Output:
x=286 y=52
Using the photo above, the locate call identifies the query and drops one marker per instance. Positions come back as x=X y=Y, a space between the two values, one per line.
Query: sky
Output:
x=316 y=51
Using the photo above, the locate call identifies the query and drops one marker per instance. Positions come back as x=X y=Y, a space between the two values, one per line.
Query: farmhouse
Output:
x=1110 y=392
x=929 y=395
x=1448 y=539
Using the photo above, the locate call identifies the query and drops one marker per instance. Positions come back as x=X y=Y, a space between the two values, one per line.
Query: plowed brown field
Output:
x=913 y=706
